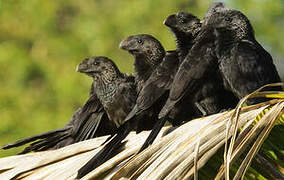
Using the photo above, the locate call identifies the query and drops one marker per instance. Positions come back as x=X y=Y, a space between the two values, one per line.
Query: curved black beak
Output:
x=170 y=21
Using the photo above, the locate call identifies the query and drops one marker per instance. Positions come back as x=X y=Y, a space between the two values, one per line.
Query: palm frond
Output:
x=182 y=154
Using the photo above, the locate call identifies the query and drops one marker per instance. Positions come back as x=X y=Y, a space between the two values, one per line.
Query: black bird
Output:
x=116 y=92
x=155 y=90
x=198 y=79
x=87 y=122
x=154 y=93
x=148 y=54
x=244 y=64
x=185 y=27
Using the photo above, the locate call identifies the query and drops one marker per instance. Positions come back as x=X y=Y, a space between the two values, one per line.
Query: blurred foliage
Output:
x=41 y=42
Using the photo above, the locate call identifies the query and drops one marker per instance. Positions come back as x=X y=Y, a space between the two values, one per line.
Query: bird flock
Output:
x=217 y=61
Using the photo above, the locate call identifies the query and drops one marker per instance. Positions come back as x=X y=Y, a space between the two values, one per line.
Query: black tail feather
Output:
x=107 y=152
x=54 y=144
x=45 y=144
x=83 y=130
x=89 y=129
x=93 y=128
x=109 y=138
x=36 y=137
x=154 y=133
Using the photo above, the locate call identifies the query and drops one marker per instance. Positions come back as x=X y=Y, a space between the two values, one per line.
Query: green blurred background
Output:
x=41 y=42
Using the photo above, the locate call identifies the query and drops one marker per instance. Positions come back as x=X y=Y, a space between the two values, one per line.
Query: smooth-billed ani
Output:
x=148 y=53
x=244 y=64
x=155 y=90
x=117 y=93
x=186 y=28
x=198 y=79
x=87 y=122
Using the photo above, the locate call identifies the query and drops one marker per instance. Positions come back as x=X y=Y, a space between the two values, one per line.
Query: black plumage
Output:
x=155 y=90
x=185 y=27
x=213 y=8
x=244 y=64
x=198 y=79
x=87 y=122
x=148 y=54
x=116 y=92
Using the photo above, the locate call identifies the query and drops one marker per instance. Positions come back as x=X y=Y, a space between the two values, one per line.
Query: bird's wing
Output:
x=188 y=77
x=159 y=82
x=190 y=72
x=250 y=63
x=128 y=89
x=92 y=121
x=89 y=129
x=156 y=86
x=249 y=68
x=256 y=63
x=194 y=66
x=93 y=104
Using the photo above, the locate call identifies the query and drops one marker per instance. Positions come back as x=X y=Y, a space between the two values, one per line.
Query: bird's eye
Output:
x=227 y=19
x=183 y=21
x=140 y=41
x=96 y=63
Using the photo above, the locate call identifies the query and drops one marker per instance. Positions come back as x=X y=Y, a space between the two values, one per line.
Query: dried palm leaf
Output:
x=178 y=155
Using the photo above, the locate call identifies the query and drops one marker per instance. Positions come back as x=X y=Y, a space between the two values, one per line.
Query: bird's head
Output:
x=183 y=24
x=231 y=22
x=99 y=67
x=144 y=45
x=214 y=8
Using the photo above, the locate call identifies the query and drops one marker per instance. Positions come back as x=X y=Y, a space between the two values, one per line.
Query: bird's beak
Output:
x=124 y=44
x=81 y=68
x=170 y=20
x=128 y=44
